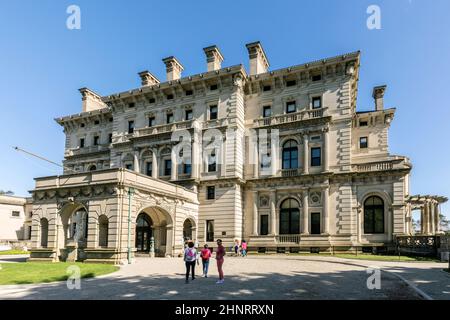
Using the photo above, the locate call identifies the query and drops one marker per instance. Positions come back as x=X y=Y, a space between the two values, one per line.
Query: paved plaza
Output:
x=268 y=277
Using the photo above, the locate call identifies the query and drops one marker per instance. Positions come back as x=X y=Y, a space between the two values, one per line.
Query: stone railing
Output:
x=290 y=172
x=419 y=245
x=400 y=163
x=291 y=117
x=288 y=238
x=86 y=150
x=215 y=123
x=164 y=128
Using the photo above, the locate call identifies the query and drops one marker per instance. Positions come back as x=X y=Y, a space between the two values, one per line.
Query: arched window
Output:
x=103 y=231
x=187 y=229
x=374 y=215
x=93 y=167
x=289 y=217
x=44 y=232
x=290 y=155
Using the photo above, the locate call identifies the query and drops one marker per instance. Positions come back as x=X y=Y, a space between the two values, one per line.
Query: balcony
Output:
x=165 y=128
x=285 y=173
x=86 y=150
x=215 y=123
x=392 y=164
x=291 y=117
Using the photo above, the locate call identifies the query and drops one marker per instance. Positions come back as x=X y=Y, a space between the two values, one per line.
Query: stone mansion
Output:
x=281 y=159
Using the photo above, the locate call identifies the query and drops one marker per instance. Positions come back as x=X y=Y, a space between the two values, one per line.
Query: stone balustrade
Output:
x=393 y=164
x=85 y=150
x=288 y=238
x=291 y=117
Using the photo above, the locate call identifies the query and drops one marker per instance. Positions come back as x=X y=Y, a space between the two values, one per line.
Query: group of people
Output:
x=240 y=249
x=191 y=257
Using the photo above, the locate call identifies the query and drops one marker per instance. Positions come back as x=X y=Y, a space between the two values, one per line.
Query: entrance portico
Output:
x=430 y=211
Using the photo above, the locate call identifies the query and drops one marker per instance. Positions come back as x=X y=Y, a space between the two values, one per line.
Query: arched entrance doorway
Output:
x=143 y=233
x=187 y=230
x=154 y=223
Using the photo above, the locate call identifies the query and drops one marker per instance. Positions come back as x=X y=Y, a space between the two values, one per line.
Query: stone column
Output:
x=154 y=164
x=305 y=154
x=326 y=217
x=256 y=159
x=136 y=161
x=437 y=222
x=422 y=220
x=169 y=241
x=194 y=157
x=325 y=149
x=426 y=218
x=255 y=213
x=274 y=156
x=273 y=213
x=305 y=212
x=173 y=159
x=432 y=218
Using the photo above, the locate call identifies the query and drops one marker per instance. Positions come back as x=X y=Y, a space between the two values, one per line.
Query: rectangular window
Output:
x=290 y=107
x=213 y=112
x=291 y=83
x=315 y=223
x=213 y=87
x=210 y=193
x=316 y=102
x=264 y=225
x=169 y=96
x=130 y=126
x=29 y=232
x=151 y=100
x=187 y=168
x=151 y=121
x=316 y=157
x=131 y=105
x=267 y=111
x=189 y=92
x=110 y=138
x=82 y=143
x=15 y=213
x=129 y=166
x=96 y=122
x=167 y=167
x=169 y=118
x=148 y=168
x=363 y=143
x=363 y=123
x=212 y=162
x=316 y=77
x=267 y=88
x=96 y=140
x=209 y=230
x=188 y=115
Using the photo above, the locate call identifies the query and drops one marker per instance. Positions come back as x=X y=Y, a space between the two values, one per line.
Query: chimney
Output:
x=258 y=60
x=213 y=58
x=147 y=79
x=378 y=94
x=91 y=100
x=173 y=68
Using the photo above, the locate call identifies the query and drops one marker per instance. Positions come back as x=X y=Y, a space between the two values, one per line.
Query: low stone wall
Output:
x=16 y=244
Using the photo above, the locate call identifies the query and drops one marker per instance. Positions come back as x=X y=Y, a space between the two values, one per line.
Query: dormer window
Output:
x=316 y=102
x=290 y=107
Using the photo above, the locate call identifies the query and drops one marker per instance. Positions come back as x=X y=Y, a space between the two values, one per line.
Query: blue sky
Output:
x=42 y=64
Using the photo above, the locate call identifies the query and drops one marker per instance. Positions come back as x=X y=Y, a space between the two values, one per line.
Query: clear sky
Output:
x=42 y=64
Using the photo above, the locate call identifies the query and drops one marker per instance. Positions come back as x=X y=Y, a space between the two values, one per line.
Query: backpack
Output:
x=190 y=254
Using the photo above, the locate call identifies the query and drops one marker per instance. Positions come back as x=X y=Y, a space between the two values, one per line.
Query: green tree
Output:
x=444 y=222
x=6 y=193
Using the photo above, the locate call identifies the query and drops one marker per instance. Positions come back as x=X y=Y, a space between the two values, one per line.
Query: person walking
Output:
x=220 y=253
x=236 y=247
x=244 y=248
x=190 y=256
x=205 y=254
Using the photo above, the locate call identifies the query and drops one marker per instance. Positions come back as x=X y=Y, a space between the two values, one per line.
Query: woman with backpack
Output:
x=190 y=257
x=205 y=254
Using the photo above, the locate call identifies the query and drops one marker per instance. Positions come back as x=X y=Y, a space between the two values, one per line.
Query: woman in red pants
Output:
x=220 y=253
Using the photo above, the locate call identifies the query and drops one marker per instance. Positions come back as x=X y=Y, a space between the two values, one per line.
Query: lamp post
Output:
x=130 y=194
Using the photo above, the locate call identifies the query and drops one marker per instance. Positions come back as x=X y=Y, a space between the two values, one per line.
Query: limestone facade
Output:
x=322 y=177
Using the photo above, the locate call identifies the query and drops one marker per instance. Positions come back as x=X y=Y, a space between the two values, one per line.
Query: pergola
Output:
x=429 y=213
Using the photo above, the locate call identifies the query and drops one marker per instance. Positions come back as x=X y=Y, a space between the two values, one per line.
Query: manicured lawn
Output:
x=13 y=252
x=38 y=272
